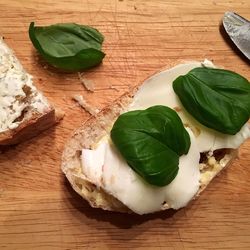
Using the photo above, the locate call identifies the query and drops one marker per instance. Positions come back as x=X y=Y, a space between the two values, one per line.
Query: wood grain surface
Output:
x=38 y=209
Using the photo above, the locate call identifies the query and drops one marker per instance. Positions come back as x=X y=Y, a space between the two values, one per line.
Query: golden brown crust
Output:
x=31 y=127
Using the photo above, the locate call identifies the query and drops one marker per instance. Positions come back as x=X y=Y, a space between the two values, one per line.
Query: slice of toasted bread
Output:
x=24 y=111
x=89 y=134
x=93 y=130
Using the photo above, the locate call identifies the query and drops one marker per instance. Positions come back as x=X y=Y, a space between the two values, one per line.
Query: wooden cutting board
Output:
x=38 y=209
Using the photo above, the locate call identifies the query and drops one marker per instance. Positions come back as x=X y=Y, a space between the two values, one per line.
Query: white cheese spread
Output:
x=13 y=80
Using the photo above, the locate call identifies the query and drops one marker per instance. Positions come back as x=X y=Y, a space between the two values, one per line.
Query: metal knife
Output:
x=238 y=29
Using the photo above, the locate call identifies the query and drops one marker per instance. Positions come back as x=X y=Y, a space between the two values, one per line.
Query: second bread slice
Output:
x=24 y=111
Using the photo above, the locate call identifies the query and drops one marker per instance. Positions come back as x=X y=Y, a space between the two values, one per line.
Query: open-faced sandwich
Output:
x=159 y=146
x=24 y=111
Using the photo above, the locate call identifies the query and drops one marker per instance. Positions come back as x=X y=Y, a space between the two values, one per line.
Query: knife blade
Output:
x=238 y=29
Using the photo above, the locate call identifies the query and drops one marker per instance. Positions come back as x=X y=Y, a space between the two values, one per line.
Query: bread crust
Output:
x=31 y=127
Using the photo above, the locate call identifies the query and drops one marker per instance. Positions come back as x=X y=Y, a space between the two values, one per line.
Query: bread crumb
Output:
x=210 y=153
x=202 y=166
x=164 y=205
x=88 y=84
x=82 y=102
x=217 y=167
x=211 y=161
x=208 y=64
x=224 y=161
x=206 y=177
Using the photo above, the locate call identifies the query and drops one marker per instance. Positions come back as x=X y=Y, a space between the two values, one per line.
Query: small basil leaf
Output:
x=151 y=141
x=68 y=46
x=219 y=99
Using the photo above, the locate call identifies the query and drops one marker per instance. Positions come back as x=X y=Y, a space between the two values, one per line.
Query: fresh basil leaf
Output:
x=68 y=46
x=151 y=141
x=217 y=98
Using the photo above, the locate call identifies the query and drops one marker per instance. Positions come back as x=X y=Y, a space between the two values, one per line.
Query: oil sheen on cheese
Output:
x=105 y=167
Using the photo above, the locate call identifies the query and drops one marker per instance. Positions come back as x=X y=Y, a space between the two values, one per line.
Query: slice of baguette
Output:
x=93 y=130
x=24 y=111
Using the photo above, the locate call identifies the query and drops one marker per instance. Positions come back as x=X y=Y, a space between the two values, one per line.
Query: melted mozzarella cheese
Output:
x=105 y=167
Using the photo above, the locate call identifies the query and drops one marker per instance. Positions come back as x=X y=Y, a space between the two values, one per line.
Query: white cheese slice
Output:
x=105 y=167
x=158 y=90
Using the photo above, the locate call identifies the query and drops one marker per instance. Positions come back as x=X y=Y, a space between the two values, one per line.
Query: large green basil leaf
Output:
x=217 y=98
x=151 y=141
x=68 y=46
